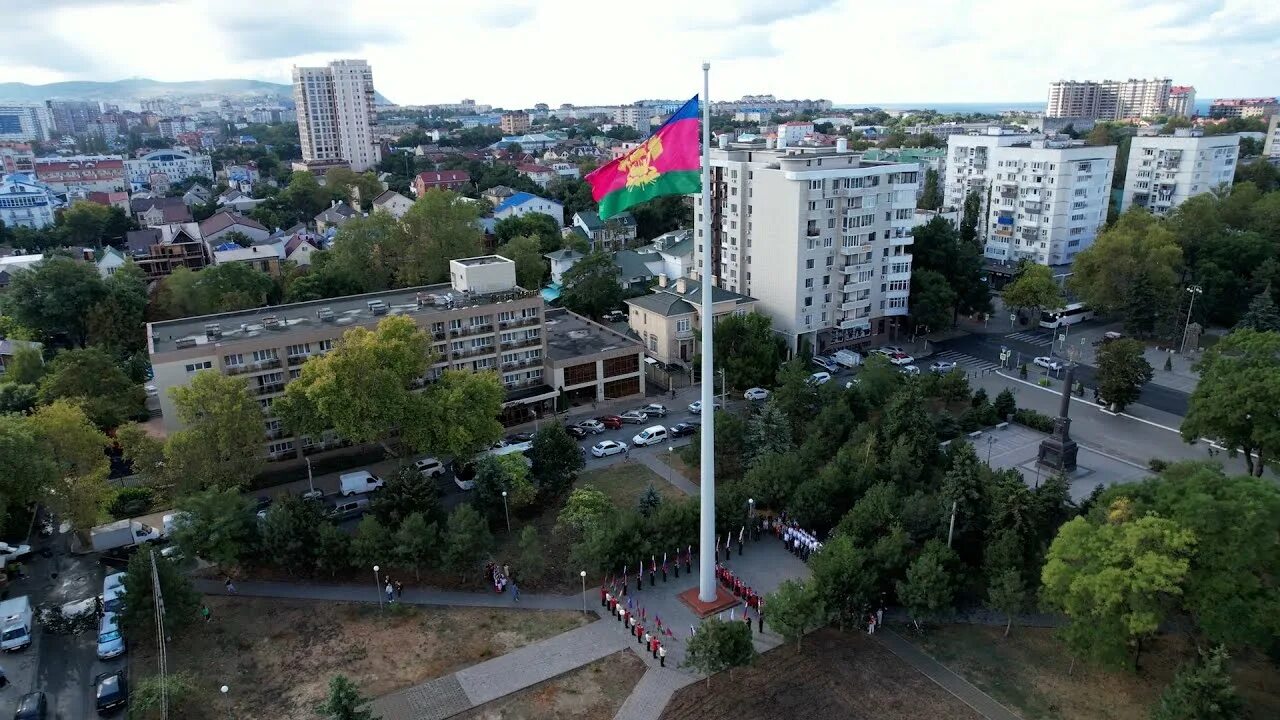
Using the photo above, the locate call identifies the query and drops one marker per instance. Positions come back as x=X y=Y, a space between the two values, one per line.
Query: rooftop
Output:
x=343 y=312
x=573 y=336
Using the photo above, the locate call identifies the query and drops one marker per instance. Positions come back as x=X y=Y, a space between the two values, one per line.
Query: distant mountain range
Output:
x=140 y=88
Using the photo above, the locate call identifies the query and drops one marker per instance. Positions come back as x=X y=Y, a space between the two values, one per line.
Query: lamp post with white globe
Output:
x=505 y=511
x=583 y=575
x=227 y=700
x=377 y=586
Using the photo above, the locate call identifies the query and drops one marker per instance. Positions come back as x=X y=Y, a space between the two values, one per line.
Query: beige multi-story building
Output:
x=1182 y=101
x=819 y=236
x=1271 y=147
x=1244 y=107
x=1110 y=99
x=336 y=116
x=637 y=117
x=480 y=321
x=1165 y=170
x=669 y=320
x=514 y=123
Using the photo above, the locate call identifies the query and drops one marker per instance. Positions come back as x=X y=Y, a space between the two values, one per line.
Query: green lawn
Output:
x=624 y=482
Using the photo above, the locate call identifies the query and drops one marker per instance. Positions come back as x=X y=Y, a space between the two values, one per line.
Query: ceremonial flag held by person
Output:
x=669 y=162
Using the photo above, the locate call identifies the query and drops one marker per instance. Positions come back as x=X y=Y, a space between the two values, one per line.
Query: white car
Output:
x=171 y=522
x=1048 y=363
x=941 y=367
x=595 y=427
x=825 y=363
x=909 y=370
x=429 y=467
x=636 y=417
x=110 y=642
x=901 y=358
x=891 y=350
x=650 y=436
x=112 y=581
x=819 y=378
x=654 y=409
x=695 y=407
x=9 y=553
x=608 y=447
x=756 y=394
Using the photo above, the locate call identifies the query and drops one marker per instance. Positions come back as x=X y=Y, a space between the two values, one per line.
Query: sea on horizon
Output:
x=1202 y=106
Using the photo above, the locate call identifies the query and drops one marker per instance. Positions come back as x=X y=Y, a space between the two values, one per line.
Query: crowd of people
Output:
x=650 y=637
x=499 y=577
x=799 y=542
x=749 y=597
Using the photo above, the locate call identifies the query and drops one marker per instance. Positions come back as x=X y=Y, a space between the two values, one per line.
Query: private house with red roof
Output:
x=540 y=174
x=83 y=173
x=444 y=179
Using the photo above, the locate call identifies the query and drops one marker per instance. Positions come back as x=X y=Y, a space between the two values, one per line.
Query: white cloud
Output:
x=518 y=52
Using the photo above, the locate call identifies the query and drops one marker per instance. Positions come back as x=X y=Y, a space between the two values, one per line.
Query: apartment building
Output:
x=1244 y=107
x=83 y=173
x=637 y=117
x=167 y=167
x=1110 y=99
x=480 y=321
x=818 y=235
x=1271 y=147
x=669 y=319
x=336 y=116
x=514 y=123
x=1043 y=199
x=17 y=158
x=24 y=202
x=72 y=117
x=1165 y=170
x=1182 y=101
x=25 y=123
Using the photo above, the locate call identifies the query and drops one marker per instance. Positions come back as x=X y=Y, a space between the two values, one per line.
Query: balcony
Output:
x=683 y=335
x=855 y=286
x=1008 y=192
x=276 y=434
x=268 y=388
x=268 y=364
x=1003 y=231
x=235 y=369
x=527 y=342
x=295 y=360
x=892 y=311
x=851 y=305
x=518 y=322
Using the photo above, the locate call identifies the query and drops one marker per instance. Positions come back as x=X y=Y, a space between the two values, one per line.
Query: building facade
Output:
x=174 y=165
x=336 y=116
x=17 y=158
x=83 y=173
x=1244 y=107
x=479 y=322
x=25 y=123
x=1182 y=101
x=1110 y=99
x=1165 y=170
x=669 y=320
x=819 y=236
x=637 y=117
x=1271 y=146
x=72 y=117
x=456 y=180
x=25 y=202
x=514 y=123
x=1043 y=199
x=590 y=362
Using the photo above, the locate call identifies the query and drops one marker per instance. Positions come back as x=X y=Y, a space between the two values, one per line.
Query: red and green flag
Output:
x=669 y=162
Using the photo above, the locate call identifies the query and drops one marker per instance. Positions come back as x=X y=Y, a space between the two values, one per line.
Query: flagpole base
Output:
x=723 y=601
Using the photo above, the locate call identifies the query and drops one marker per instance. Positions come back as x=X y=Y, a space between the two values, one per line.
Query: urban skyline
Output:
x=753 y=46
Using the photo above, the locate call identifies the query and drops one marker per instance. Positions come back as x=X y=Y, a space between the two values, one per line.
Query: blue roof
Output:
x=519 y=198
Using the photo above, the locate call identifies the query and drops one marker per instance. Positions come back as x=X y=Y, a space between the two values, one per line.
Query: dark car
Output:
x=32 y=706
x=111 y=691
x=613 y=422
x=683 y=429
x=575 y=432
x=263 y=502
x=519 y=438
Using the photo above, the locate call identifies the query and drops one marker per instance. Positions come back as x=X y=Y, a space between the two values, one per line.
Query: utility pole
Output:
x=1194 y=290
x=951 y=529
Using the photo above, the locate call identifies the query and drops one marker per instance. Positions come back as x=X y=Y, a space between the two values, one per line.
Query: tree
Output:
x=373 y=544
x=747 y=349
x=85 y=223
x=769 y=432
x=55 y=299
x=218 y=526
x=291 y=534
x=467 y=540
x=794 y=608
x=1034 y=289
x=117 y=322
x=526 y=252
x=496 y=475
x=542 y=228
x=1122 y=371
x=591 y=286
x=1201 y=691
x=220 y=443
x=531 y=556
x=649 y=501
x=76 y=449
x=417 y=543
x=1138 y=251
x=234 y=286
x=1007 y=593
x=406 y=493
x=90 y=378
x=1005 y=405
x=304 y=196
x=928 y=588
x=931 y=198
x=25 y=366
x=932 y=300
x=969 y=219
x=1235 y=399
x=660 y=215
x=845 y=579
x=181 y=601
x=556 y=461
x=794 y=395
x=458 y=414
x=440 y=227
x=719 y=646
x=1111 y=579
x=363 y=388
x=345 y=701
x=938 y=247
x=25 y=468
x=586 y=509
x=1262 y=315
x=575 y=195
x=773 y=479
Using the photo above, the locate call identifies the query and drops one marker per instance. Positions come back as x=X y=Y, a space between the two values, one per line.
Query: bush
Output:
x=1034 y=420
x=1022 y=371
x=132 y=502
x=945 y=426
x=179 y=688
x=989 y=415
x=1044 y=382
x=1157 y=465
x=1005 y=404
x=971 y=419
x=979 y=398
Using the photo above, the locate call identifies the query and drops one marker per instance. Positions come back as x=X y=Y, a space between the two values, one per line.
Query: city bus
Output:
x=1069 y=315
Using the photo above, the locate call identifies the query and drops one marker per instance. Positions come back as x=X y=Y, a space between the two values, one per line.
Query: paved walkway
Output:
x=668 y=473
x=981 y=702
x=412 y=596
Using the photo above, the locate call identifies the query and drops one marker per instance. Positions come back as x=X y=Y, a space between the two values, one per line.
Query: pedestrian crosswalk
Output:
x=1032 y=338
x=966 y=362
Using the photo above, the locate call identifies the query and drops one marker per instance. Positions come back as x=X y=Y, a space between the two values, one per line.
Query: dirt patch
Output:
x=1028 y=672
x=834 y=675
x=278 y=656
x=592 y=691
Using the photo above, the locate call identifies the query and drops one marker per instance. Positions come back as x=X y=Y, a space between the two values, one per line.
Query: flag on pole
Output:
x=669 y=162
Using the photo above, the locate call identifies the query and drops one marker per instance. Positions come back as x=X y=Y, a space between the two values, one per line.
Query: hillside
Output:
x=139 y=88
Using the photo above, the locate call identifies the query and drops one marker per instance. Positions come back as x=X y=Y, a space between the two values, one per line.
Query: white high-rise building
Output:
x=336 y=117
x=1109 y=99
x=821 y=238
x=1182 y=101
x=24 y=123
x=1271 y=146
x=1165 y=170
x=1043 y=199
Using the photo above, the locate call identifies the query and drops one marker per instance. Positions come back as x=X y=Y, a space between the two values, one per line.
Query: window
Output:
x=813 y=205
x=808 y=264
x=233 y=360
x=808 y=283
x=683 y=325
x=264 y=355
x=624 y=365
x=197 y=367
x=808 y=301
x=577 y=374
x=296 y=350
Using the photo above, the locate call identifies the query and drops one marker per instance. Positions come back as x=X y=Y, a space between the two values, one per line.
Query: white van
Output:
x=360 y=481
x=15 y=613
x=848 y=358
x=650 y=436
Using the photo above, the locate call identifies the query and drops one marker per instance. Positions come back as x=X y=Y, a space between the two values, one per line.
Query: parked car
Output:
x=114 y=580
x=847 y=358
x=1048 y=363
x=429 y=467
x=695 y=407
x=901 y=359
x=825 y=363
x=909 y=370
x=595 y=427
x=614 y=316
x=650 y=436
x=113 y=599
x=635 y=417
x=347 y=508
x=32 y=706
x=891 y=350
x=521 y=437
x=360 y=481
x=1109 y=336
x=111 y=691
x=110 y=641
x=756 y=394
x=613 y=422
x=608 y=447
x=9 y=553
x=683 y=429
x=942 y=367
x=575 y=432
x=819 y=378
x=654 y=409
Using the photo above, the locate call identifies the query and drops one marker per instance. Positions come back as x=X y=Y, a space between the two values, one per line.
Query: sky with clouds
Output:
x=515 y=53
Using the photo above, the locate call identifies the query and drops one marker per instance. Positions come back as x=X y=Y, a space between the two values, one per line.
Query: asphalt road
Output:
x=987 y=347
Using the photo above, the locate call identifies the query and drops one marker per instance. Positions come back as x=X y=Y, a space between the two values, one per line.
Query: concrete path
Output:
x=412 y=596
x=981 y=702
x=668 y=473
x=650 y=696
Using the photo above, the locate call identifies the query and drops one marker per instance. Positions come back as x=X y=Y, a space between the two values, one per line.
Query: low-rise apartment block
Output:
x=1165 y=170
x=1042 y=198
x=669 y=319
x=24 y=202
x=167 y=167
x=1244 y=107
x=590 y=362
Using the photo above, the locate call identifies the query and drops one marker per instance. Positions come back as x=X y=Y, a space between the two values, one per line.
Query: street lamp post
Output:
x=991 y=440
x=583 y=574
x=310 y=483
x=1194 y=290
x=227 y=700
x=751 y=514
x=724 y=391
x=505 y=511
x=377 y=586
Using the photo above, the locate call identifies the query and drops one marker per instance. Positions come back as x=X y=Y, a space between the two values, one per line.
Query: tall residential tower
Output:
x=336 y=117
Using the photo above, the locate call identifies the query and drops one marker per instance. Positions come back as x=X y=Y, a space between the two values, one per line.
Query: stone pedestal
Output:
x=1058 y=451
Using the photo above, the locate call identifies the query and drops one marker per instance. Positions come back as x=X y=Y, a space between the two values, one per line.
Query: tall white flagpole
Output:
x=707 y=538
